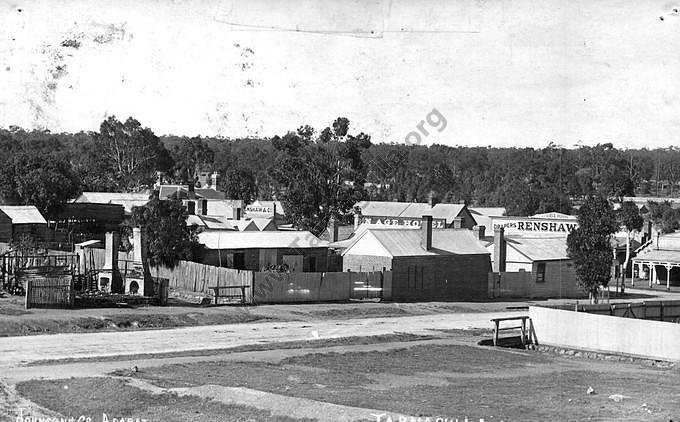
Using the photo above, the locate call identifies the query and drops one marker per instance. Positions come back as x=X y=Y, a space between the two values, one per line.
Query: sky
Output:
x=500 y=73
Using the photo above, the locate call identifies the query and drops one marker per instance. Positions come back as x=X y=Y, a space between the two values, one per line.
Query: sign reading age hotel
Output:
x=523 y=225
x=437 y=223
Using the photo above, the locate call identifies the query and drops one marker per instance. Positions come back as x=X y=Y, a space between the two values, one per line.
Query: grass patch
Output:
x=449 y=381
x=124 y=322
x=95 y=396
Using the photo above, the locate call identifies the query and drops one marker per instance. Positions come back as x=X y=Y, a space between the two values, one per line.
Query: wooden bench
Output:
x=223 y=291
x=523 y=326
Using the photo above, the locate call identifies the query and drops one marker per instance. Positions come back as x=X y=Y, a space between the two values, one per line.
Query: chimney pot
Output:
x=333 y=229
x=479 y=231
x=214 y=179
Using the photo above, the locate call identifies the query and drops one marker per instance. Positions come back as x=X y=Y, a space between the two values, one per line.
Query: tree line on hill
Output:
x=320 y=174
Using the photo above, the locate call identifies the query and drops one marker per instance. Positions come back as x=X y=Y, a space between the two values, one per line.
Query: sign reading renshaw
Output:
x=528 y=224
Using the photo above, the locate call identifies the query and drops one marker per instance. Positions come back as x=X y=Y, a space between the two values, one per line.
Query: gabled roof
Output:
x=344 y=233
x=23 y=214
x=664 y=249
x=539 y=248
x=392 y=209
x=407 y=242
x=554 y=215
x=264 y=224
x=246 y=225
x=410 y=209
x=210 y=222
x=127 y=200
x=260 y=240
x=487 y=211
x=447 y=211
x=166 y=191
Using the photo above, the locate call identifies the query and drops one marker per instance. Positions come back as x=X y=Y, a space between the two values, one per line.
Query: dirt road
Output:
x=16 y=351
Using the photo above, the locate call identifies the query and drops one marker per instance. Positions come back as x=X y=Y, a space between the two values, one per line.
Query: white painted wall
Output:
x=368 y=245
x=608 y=334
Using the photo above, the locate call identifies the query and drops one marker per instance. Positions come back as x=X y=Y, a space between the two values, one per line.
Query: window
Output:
x=540 y=273
x=240 y=261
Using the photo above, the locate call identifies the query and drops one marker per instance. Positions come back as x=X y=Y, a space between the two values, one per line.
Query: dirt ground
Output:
x=186 y=312
x=450 y=378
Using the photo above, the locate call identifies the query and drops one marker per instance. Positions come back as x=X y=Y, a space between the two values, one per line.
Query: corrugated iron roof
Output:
x=488 y=211
x=664 y=249
x=166 y=191
x=260 y=240
x=127 y=200
x=382 y=208
x=410 y=209
x=407 y=242
x=541 y=248
x=23 y=214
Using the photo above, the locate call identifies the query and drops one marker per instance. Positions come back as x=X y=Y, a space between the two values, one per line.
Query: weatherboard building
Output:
x=530 y=257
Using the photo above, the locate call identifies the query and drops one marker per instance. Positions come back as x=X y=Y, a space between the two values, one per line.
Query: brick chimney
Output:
x=274 y=214
x=333 y=229
x=432 y=199
x=111 y=251
x=499 y=250
x=138 y=246
x=648 y=232
x=458 y=223
x=479 y=232
x=356 y=221
x=214 y=179
x=426 y=232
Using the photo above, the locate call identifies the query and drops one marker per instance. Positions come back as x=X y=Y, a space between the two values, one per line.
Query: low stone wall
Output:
x=607 y=334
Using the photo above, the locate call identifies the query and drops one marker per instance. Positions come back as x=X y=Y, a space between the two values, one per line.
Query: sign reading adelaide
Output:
x=437 y=223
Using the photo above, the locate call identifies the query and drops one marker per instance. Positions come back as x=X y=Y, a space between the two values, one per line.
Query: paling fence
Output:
x=260 y=287
x=48 y=287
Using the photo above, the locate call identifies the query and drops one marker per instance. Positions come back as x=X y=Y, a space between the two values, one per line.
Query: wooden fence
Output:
x=194 y=277
x=270 y=287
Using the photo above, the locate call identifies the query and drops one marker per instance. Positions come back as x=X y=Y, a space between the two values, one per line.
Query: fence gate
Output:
x=366 y=285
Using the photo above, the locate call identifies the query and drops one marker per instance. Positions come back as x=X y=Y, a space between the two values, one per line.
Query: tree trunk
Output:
x=625 y=262
x=592 y=295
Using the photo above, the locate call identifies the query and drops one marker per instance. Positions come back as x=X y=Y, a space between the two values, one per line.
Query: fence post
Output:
x=27 y=292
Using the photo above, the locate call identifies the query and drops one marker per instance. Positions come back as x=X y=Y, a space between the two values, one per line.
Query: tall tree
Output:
x=239 y=183
x=629 y=217
x=129 y=154
x=168 y=238
x=191 y=156
x=321 y=178
x=37 y=172
x=589 y=245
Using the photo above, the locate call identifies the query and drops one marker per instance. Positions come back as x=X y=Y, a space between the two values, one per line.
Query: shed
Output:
x=426 y=264
x=17 y=221
x=532 y=266
x=300 y=251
